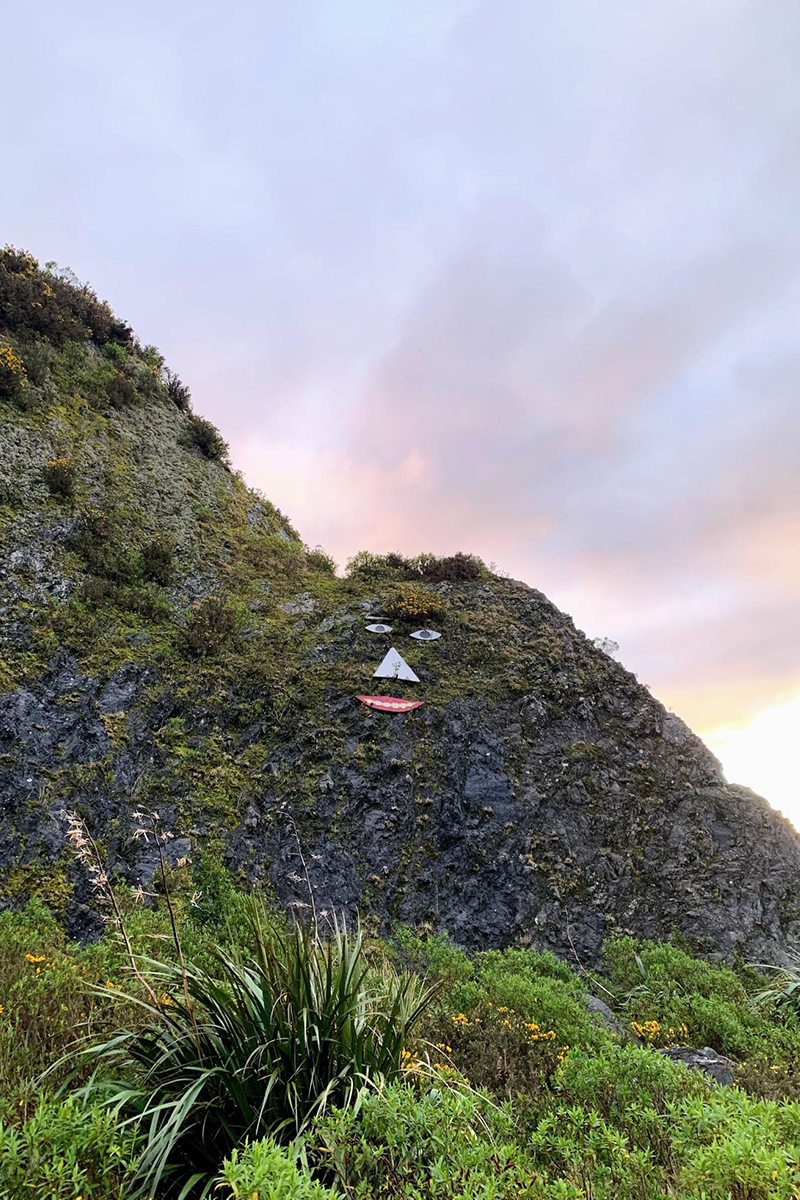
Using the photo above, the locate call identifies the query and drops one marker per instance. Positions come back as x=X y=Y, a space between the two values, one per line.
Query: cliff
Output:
x=166 y=639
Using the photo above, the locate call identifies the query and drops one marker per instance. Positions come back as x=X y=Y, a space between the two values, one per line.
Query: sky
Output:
x=515 y=277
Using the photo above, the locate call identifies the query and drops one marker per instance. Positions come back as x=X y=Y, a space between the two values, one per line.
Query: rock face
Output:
x=719 y=1068
x=540 y=794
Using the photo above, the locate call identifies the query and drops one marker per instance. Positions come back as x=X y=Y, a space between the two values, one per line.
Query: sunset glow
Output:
x=762 y=754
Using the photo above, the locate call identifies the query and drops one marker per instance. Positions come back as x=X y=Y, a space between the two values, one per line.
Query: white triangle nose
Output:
x=394 y=666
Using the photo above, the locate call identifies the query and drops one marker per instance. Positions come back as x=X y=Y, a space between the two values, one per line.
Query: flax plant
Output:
x=252 y=1047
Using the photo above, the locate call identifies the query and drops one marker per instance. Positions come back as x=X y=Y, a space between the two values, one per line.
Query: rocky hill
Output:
x=167 y=639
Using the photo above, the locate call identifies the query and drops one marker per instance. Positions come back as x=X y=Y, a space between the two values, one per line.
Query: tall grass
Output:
x=783 y=994
x=251 y=1047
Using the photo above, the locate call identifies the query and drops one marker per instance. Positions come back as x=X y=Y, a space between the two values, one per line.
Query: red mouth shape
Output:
x=390 y=703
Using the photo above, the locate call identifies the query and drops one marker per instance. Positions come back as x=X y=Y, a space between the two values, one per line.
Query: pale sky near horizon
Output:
x=514 y=277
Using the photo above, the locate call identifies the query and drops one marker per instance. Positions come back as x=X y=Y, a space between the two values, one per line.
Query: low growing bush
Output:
x=438 y=1143
x=178 y=392
x=431 y=568
x=673 y=996
x=66 y=1151
x=156 y=558
x=269 y=1172
x=60 y=476
x=204 y=436
x=13 y=376
x=414 y=604
x=120 y=391
x=52 y=303
x=212 y=623
x=317 y=560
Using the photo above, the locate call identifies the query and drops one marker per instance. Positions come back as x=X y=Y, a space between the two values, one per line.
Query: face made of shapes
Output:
x=422 y=635
x=394 y=666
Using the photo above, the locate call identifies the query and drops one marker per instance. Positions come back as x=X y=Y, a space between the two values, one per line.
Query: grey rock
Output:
x=302 y=605
x=716 y=1066
x=600 y=1009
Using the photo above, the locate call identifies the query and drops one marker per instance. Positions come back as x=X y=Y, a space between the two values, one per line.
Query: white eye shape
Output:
x=379 y=628
x=426 y=635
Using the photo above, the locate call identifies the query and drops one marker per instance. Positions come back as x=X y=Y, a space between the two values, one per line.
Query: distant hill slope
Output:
x=167 y=639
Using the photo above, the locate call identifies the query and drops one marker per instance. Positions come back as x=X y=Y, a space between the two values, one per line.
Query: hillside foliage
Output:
x=496 y=1081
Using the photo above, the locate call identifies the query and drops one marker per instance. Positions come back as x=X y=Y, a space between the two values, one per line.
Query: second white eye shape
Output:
x=426 y=635
x=379 y=628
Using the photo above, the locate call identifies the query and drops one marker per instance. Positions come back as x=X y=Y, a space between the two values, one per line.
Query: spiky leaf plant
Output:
x=784 y=991
x=253 y=1047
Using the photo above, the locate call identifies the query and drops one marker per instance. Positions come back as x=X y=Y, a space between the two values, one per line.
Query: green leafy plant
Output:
x=441 y=1143
x=53 y=303
x=415 y=604
x=783 y=994
x=204 y=436
x=120 y=391
x=317 y=560
x=178 y=392
x=270 y=1172
x=255 y=1046
x=156 y=559
x=67 y=1150
x=433 y=568
x=212 y=623
x=13 y=376
x=60 y=477
x=666 y=995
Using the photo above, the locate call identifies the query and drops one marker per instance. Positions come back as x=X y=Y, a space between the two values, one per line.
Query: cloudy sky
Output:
x=520 y=277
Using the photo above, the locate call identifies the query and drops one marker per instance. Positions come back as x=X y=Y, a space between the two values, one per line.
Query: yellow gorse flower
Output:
x=652 y=1031
x=12 y=362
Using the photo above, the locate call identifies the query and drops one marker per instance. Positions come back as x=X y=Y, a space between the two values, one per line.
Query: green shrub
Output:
x=179 y=393
x=258 y=1047
x=444 y=1142
x=269 y=1172
x=43 y=981
x=106 y=554
x=53 y=304
x=616 y=1082
x=457 y=568
x=782 y=996
x=664 y=990
x=64 y=1151
x=514 y=1019
x=13 y=376
x=414 y=604
x=145 y=600
x=202 y=435
x=317 y=560
x=94 y=538
x=365 y=565
x=211 y=625
x=38 y=357
x=629 y=1122
x=116 y=352
x=435 y=956
x=156 y=559
x=120 y=391
x=729 y=1144
x=431 y=568
x=60 y=477
x=218 y=903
